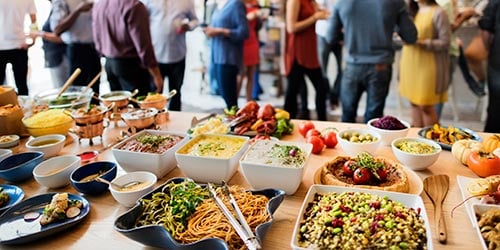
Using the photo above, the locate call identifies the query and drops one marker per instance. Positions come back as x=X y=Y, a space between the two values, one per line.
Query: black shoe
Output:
x=478 y=89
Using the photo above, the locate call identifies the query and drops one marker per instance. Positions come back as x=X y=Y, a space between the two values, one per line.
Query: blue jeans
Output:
x=357 y=78
x=493 y=119
x=226 y=76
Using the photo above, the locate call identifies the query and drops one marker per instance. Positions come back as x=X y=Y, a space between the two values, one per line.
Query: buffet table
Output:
x=96 y=231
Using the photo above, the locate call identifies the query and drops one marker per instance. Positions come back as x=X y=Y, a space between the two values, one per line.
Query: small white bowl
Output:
x=389 y=135
x=9 y=141
x=128 y=198
x=205 y=168
x=262 y=171
x=354 y=148
x=4 y=153
x=56 y=172
x=50 y=145
x=416 y=161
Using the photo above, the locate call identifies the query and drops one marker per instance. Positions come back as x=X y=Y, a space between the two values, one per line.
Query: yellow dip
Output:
x=213 y=146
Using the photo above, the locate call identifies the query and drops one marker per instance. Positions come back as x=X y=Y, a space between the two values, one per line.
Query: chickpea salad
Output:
x=356 y=220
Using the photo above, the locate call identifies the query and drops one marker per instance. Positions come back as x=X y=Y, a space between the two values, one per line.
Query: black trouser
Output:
x=175 y=74
x=296 y=79
x=85 y=57
x=19 y=60
x=325 y=49
x=128 y=74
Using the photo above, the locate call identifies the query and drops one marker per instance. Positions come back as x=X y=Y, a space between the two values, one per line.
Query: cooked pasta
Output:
x=208 y=221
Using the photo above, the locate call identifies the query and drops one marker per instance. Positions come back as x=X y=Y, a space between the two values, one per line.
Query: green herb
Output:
x=231 y=112
x=153 y=140
x=283 y=126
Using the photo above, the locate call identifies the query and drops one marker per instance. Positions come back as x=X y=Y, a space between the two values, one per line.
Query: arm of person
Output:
x=48 y=36
x=138 y=28
x=66 y=22
x=442 y=25
x=191 y=16
x=405 y=27
x=240 y=33
x=292 y=16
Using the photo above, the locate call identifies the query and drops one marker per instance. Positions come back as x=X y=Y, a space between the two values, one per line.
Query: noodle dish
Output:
x=181 y=214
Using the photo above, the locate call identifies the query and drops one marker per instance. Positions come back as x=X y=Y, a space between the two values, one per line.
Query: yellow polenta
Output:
x=47 y=118
x=213 y=146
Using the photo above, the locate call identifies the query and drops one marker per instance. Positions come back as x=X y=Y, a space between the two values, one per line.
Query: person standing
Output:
x=367 y=39
x=324 y=51
x=490 y=32
x=228 y=29
x=250 y=50
x=122 y=35
x=301 y=55
x=72 y=21
x=13 y=46
x=424 y=67
x=169 y=22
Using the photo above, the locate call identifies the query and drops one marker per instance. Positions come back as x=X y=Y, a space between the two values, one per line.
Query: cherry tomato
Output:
x=349 y=167
x=484 y=164
x=305 y=126
x=362 y=176
x=330 y=138
x=313 y=132
x=382 y=173
x=317 y=144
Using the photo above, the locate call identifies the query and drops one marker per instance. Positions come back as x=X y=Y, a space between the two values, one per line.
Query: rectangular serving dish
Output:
x=478 y=210
x=409 y=200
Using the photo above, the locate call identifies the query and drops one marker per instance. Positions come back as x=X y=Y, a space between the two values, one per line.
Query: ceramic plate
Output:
x=158 y=236
x=408 y=200
x=416 y=184
x=479 y=210
x=15 y=230
x=15 y=194
x=462 y=182
x=445 y=146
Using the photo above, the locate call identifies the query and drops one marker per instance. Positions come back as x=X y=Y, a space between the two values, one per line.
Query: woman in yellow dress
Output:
x=424 y=67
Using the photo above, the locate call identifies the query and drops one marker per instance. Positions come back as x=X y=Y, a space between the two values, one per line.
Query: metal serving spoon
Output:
x=116 y=186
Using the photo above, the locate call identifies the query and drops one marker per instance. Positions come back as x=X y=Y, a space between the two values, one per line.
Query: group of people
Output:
x=143 y=42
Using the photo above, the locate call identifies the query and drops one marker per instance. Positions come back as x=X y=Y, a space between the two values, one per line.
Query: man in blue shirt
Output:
x=368 y=27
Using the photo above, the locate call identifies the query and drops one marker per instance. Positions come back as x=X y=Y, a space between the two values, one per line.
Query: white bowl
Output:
x=4 y=153
x=159 y=164
x=56 y=172
x=128 y=198
x=204 y=168
x=262 y=171
x=50 y=145
x=354 y=148
x=479 y=210
x=9 y=141
x=416 y=161
x=389 y=135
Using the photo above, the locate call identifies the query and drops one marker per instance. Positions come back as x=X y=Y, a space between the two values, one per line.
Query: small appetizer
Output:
x=4 y=197
x=60 y=208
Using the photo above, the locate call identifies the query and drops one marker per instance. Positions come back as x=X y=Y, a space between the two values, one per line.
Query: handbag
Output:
x=476 y=51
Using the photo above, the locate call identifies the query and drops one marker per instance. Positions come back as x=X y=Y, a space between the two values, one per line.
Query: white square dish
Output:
x=407 y=200
x=159 y=164
x=478 y=210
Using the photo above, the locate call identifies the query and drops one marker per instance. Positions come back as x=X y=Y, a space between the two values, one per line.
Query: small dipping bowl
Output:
x=88 y=156
x=129 y=197
x=55 y=172
x=9 y=141
x=104 y=169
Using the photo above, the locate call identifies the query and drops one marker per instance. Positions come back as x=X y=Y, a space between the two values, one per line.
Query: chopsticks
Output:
x=239 y=223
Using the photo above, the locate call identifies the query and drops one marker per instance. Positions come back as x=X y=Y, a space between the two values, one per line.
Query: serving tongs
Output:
x=239 y=223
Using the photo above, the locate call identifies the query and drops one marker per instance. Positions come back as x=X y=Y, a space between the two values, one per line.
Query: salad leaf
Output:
x=283 y=126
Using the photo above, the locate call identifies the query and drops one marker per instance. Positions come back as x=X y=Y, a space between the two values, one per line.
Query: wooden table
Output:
x=96 y=231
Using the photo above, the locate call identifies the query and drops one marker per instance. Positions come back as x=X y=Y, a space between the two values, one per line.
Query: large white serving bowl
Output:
x=128 y=198
x=354 y=148
x=55 y=172
x=261 y=174
x=209 y=168
x=159 y=164
x=416 y=161
x=387 y=135
x=50 y=145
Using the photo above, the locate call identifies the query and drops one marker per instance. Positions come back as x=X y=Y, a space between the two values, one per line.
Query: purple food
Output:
x=388 y=122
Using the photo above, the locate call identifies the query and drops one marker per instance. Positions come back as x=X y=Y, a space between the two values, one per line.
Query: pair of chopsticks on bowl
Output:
x=239 y=223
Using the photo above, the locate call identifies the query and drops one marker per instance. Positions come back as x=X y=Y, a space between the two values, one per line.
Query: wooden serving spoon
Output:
x=436 y=187
x=68 y=82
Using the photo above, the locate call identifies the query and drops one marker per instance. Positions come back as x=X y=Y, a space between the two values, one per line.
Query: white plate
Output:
x=416 y=184
x=409 y=200
x=479 y=209
x=462 y=182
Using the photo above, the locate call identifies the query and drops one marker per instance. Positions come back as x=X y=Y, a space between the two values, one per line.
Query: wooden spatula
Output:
x=436 y=187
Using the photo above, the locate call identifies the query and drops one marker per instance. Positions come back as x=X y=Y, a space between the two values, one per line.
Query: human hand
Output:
x=84 y=6
x=211 y=31
x=321 y=15
x=465 y=15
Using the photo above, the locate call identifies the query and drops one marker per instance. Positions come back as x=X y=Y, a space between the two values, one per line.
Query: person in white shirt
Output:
x=13 y=44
